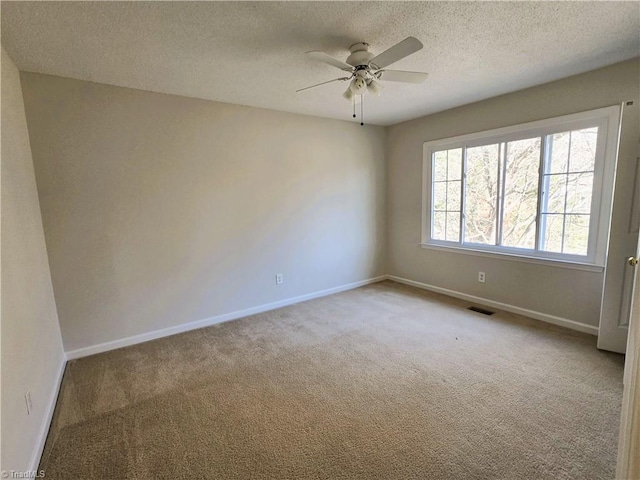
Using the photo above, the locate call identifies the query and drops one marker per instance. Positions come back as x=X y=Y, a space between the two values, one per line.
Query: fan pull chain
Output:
x=354 y=106
x=361 y=110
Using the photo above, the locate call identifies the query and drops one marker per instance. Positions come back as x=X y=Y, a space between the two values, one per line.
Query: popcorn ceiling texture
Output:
x=254 y=53
x=382 y=382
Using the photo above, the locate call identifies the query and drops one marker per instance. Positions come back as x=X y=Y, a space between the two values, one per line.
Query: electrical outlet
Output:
x=481 y=277
x=27 y=399
x=279 y=279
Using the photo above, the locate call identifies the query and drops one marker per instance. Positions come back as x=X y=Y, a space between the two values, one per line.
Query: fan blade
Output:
x=323 y=83
x=391 y=55
x=323 y=57
x=401 y=76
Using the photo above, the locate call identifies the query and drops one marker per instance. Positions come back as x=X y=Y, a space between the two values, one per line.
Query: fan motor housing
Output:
x=360 y=54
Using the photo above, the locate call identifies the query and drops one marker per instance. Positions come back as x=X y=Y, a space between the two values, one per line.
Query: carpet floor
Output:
x=382 y=382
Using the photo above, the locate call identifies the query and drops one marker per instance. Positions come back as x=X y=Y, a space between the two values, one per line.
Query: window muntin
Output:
x=568 y=190
x=447 y=184
x=533 y=191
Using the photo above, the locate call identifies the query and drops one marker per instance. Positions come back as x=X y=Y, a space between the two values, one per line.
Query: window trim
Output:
x=607 y=119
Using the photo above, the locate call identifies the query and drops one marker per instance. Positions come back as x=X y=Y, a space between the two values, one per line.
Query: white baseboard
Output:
x=185 y=327
x=563 y=322
x=46 y=423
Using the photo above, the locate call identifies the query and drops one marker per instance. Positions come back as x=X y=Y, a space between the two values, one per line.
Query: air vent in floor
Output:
x=481 y=310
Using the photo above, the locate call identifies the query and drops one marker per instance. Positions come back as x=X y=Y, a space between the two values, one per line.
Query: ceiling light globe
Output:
x=358 y=86
x=374 y=88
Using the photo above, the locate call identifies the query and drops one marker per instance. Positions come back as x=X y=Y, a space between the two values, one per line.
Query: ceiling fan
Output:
x=365 y=69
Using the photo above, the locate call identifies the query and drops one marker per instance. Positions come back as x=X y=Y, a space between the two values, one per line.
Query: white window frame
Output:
x=608 y=122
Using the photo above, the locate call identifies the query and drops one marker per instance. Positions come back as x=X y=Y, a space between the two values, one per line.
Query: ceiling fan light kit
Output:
x=366 y=69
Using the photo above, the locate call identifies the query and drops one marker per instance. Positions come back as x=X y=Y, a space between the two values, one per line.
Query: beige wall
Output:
x=32 y=354
x=160 y=210
x=571 y=294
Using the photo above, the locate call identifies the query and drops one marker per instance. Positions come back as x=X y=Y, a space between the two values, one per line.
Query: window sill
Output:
x=588 y=267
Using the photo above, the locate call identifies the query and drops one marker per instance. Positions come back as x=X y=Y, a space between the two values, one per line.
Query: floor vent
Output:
x=481 y=310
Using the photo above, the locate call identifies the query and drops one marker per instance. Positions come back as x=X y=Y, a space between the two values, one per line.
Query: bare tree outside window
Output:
x=480 y=204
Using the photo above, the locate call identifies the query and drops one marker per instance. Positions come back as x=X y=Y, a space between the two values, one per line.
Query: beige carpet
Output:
x=382 y=382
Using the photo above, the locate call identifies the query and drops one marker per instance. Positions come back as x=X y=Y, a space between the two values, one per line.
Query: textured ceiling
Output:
x=254 y=53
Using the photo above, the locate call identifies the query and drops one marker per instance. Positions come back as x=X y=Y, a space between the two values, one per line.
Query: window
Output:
x=540 y=190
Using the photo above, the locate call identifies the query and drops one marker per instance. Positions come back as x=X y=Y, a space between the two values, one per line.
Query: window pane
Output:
x=559 y=152
x=576 y=234
x=453 y=227
x=438 y=228
x=583 y=150
x=481 y=194
x=440 y=196
x=440 y=166
x=453 y=196
x=569 y=193
x=555 y=193
x=579 y=190
x=552 y=239
x=521 y=193
x=455 y=164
